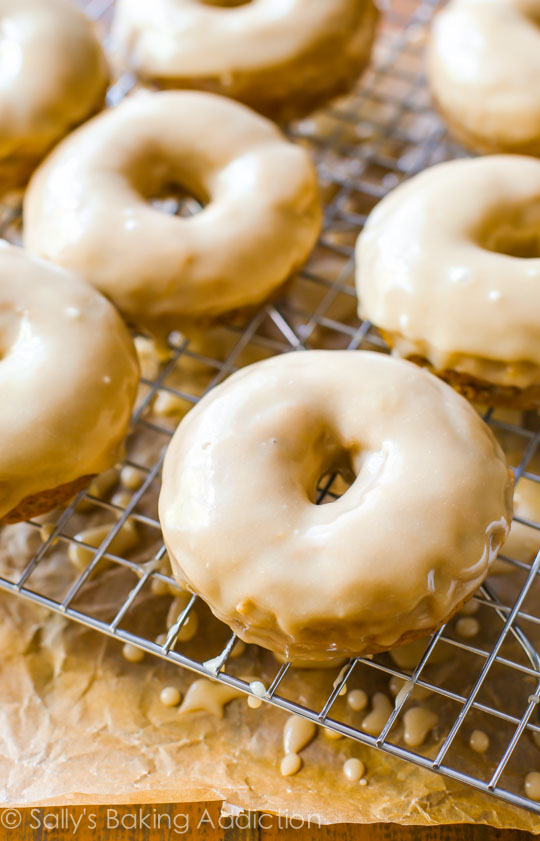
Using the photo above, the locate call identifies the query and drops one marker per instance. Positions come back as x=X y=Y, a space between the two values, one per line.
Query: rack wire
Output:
x=363 y=145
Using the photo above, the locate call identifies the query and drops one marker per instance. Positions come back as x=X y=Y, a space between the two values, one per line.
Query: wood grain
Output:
x=201 y=821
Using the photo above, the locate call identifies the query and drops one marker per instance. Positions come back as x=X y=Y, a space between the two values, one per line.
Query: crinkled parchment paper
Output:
x=80 y=724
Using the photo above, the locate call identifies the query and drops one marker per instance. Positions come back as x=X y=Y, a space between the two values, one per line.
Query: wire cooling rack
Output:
x=363 y=146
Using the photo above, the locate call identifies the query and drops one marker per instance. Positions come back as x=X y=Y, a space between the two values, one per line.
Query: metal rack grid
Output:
x=363 y=146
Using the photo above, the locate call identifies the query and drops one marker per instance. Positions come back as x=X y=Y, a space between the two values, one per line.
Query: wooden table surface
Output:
x=201 y=821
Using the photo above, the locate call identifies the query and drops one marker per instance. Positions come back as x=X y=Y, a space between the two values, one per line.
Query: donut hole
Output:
x=175 y=200
x=164 y=183
x=335 y=480
x=514 y=233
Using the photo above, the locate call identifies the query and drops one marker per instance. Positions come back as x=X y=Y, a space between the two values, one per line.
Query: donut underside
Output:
x=480 y=143
x=412 y=636
x=480 y=391
x=237 y=317
x=37 y=504
x=324 y=637
x=476 y=390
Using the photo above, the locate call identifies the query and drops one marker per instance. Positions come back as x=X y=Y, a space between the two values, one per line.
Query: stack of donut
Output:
x=450 y=283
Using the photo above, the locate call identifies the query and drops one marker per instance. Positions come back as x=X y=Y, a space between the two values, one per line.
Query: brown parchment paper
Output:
x=79 y=724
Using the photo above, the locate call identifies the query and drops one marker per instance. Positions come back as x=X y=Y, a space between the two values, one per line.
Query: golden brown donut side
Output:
x=38 y=504
x=477 y=390
x=272 y=638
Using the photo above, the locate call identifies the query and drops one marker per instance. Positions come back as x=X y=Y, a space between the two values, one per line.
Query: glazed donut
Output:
x=87 y=207
x=390 y=560
x=53 y=76
x=68 y=378
x=484 y=73
x=281 y=57
x=448 y=268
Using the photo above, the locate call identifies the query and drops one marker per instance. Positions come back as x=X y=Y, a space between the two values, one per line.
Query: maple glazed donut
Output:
x=448 y=268
x=390 y=560
x=68 y=377
x=53 y=75
x=484 y=73
x=281 y=57
x=88 y=207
